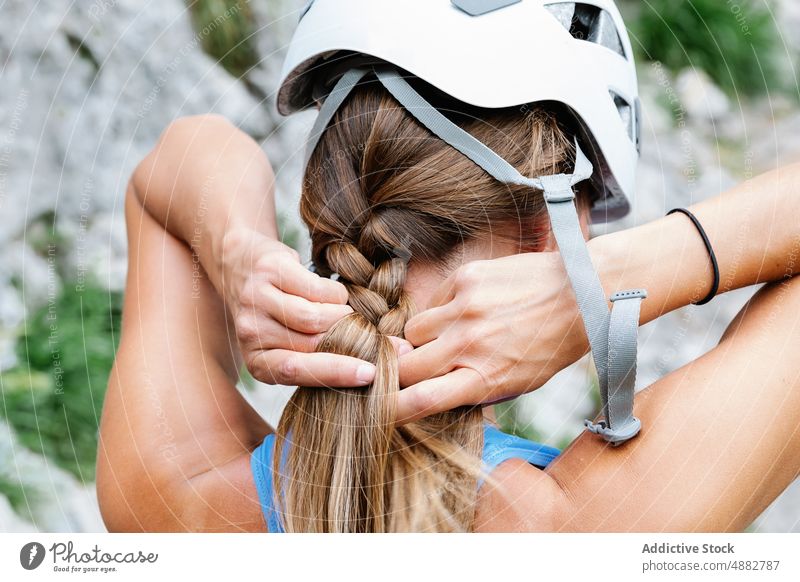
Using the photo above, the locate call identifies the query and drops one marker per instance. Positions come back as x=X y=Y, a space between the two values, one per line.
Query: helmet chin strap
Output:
x=612 y=332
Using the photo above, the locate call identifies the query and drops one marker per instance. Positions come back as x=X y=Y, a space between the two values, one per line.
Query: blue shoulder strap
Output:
x=261 y=465
x=499 y=446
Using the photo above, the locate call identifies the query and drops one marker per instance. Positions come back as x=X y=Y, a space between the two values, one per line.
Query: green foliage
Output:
x=509 y=422
x=735 y=42
x=20 y=497
x=225 y=29
x=290 y=234
x=53 y=402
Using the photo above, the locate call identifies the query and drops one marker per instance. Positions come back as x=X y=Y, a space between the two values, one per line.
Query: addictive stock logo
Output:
x=31 y=555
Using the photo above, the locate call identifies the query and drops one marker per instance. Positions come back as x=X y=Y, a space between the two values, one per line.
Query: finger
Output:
x=431 y=360
x=295 y=279
x=315 y=369
x=459 y=387
x=257 y=333
x=301 y=314
x=427 y=325
x=401 y=346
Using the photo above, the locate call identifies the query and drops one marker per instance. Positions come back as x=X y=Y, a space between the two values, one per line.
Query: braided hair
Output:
x=381 y=193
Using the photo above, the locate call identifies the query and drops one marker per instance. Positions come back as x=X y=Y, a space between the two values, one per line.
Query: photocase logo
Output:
x=31 y=555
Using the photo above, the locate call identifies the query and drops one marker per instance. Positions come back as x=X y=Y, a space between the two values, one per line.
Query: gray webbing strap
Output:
x=589 y=294
x=616 y=375
x=461 y=140
x=620 y=424
x=332 y=103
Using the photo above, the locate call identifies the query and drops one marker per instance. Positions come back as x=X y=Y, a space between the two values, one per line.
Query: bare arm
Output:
x=209 y=185
x=203 y=180
x=721 y=435
x=753 y=229
x=721 y=440
x=176 y=434
x=503 y=327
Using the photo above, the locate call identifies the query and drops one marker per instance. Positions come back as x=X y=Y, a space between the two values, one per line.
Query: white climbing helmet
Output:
x=492 y=54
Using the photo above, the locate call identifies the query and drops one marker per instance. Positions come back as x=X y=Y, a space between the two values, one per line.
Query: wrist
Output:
x=228 y=251
x=609 y=258
x=665 y=257
x=235 y=255
x=632 y=259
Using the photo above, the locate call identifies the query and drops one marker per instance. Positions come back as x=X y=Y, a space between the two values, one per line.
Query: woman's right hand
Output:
x=494 y=329
x=281 y=310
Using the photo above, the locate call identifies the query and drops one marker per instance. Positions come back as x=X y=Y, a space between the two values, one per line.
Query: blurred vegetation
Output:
x=226 y=30
x=511 y=419
x=736 y=43
x=21 y=497
x=508 y=421
x=290 y=234
x=53 y=398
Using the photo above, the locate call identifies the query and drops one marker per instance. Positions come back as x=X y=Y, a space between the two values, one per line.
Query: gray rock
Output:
x=87 y=89
x=10 y=521
x=12 y=313
x=78 y=120
x=55 y=501
x=788 y=12
x=557 y=409
x=701 y=98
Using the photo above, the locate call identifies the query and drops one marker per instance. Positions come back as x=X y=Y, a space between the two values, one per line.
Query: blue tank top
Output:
x=497 y=447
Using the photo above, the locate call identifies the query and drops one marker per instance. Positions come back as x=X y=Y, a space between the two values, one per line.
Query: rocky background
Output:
x=85 y=89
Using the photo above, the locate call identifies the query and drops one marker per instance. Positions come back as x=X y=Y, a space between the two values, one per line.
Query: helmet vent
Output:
x=588 y=22
x=626 y=114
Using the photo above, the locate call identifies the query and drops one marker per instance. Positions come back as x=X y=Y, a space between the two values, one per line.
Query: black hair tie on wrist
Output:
x=711 y=255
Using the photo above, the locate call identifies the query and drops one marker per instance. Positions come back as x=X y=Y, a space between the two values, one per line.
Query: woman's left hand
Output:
x=281 y=311
x=494 y=329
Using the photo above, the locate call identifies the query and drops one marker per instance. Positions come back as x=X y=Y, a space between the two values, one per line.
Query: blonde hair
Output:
x=379 y=189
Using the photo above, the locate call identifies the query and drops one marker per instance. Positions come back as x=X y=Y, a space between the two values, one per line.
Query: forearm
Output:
x=204 y=179
x=753 y=229
x=172 y=415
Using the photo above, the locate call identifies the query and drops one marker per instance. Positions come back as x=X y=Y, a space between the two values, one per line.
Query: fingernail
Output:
x=365 y=373
x=404 y=349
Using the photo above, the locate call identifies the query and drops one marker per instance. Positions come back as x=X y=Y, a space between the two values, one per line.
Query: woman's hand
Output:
x=496 y=329
x=281 y=311
x=500 y=328
x=210 y=185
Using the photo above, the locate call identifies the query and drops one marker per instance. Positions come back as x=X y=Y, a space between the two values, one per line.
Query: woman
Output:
x=188 y=452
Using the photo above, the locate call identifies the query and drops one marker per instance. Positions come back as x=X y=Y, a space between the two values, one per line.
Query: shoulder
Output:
x=224 y=499
x=518 y=495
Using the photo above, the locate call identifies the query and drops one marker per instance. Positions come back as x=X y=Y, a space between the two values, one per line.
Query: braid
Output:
x=376 y=293
x=382 y=476
x=379 y=191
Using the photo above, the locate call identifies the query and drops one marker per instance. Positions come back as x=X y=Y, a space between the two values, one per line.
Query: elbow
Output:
x=176 y=140
x=183 y=130
x=129 y=505
x=115 y=511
